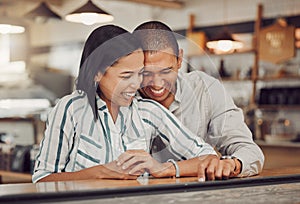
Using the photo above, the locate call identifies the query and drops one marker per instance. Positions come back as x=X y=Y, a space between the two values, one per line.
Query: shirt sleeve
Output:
x=230 y=134
x=54 y=148
x=181 y=142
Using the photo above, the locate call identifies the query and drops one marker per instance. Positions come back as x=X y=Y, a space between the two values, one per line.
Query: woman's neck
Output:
x=112 y=108
x=114 y=111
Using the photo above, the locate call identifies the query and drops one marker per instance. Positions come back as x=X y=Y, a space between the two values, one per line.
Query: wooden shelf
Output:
x=208 y=53
x=279 y=107
x=278 y=144
x=273 y=78
x=232 y=79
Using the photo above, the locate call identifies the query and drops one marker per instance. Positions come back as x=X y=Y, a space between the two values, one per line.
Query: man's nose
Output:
x=157 y=81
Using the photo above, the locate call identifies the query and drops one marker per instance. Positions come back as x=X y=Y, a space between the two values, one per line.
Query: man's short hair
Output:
x=155 y=36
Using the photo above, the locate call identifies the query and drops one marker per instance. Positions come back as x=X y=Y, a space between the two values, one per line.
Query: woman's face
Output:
x=120 y=81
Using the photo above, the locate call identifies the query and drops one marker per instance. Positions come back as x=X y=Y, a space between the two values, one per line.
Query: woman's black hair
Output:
x=104 y=46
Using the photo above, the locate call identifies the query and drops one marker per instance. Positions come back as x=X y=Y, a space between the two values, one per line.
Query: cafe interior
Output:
x=40 y=48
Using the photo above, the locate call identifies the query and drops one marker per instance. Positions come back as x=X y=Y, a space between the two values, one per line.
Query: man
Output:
x=199 y=101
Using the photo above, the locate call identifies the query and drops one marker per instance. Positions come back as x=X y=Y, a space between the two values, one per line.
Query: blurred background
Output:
x=41 y=45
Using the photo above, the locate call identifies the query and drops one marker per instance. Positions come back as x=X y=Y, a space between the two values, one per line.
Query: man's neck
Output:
x=166 y=103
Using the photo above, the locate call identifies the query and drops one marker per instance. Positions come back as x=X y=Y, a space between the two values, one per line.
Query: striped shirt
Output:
x=73 y=140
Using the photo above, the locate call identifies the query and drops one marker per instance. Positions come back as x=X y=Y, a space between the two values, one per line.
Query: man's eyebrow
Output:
x=167 y=68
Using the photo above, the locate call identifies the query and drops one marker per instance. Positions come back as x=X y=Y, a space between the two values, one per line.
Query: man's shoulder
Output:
x=196 y=78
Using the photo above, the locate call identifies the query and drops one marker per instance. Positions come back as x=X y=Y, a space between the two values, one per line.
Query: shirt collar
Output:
x=178 y=89
x=101 y=105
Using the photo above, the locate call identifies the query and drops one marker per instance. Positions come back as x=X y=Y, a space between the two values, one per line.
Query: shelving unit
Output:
x=254 y=71
x=255 y=79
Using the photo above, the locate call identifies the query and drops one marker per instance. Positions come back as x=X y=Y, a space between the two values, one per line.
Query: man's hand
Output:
x=211 y=168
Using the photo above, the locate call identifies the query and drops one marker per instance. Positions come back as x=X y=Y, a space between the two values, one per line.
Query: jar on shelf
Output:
x=262 y=124
x=282 y=130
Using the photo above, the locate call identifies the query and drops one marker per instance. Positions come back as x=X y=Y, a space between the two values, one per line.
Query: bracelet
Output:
x=177 y=172
x=237 y=164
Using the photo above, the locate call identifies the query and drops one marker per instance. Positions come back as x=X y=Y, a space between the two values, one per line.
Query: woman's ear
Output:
x=98 y=77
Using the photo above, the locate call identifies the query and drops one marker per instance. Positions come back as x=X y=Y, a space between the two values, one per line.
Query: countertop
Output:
x=272 y=185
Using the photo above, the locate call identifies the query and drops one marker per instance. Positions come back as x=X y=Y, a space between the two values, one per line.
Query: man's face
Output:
x=160 y=74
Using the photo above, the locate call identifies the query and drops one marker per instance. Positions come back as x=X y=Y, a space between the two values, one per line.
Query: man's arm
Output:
x=229 y=133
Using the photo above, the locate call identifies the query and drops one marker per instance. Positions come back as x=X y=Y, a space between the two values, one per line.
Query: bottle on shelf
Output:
x=222 y=71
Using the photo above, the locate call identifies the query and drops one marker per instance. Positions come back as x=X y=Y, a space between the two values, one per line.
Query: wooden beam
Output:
x=254 y=76
x=160 y=3
x=51 y=2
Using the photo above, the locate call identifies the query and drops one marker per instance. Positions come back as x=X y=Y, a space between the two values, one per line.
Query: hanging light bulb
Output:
x=224 y=44
x=89 y=14
x=10 y=29
x=10 y=25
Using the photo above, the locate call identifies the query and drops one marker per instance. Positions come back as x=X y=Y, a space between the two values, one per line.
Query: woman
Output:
x=101 y=130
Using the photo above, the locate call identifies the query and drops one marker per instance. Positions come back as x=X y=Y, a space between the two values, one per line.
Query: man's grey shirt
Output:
x=203 y=106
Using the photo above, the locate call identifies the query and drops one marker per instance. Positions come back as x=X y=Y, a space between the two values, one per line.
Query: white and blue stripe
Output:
x=73 y=140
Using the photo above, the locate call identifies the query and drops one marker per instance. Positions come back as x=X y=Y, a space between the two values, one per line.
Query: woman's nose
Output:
x=136 y=82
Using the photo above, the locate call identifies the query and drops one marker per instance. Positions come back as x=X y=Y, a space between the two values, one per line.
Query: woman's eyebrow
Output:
x=159 y=67
x=127 y=72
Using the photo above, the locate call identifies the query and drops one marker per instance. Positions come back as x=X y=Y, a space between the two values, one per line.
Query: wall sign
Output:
x=277 y=43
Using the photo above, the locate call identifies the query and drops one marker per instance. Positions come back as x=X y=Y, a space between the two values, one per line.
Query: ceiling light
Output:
x=89 y=14
x=42 y=13
x=10 y=25
x=224 y=43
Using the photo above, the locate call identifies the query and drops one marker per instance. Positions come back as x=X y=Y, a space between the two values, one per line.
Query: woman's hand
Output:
x=136 y=162
x=107 y=171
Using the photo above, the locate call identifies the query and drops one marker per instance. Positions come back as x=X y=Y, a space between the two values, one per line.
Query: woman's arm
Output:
x=106 y=171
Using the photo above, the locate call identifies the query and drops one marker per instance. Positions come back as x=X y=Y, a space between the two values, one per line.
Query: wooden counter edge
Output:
x=14 y=177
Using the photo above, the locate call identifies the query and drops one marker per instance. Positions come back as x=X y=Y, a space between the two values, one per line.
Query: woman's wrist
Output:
x=169 y=170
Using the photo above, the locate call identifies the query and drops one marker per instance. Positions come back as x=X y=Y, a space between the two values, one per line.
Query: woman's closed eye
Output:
x=126 y=76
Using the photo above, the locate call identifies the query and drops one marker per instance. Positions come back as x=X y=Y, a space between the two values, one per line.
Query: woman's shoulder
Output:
x=148 y=105
x=145 y=102
x=76 y=98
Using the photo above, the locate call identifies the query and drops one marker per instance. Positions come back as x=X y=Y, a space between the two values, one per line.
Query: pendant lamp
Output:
x=89 y=14
x=224 y=43
x=42 y=13
x=9 y=25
